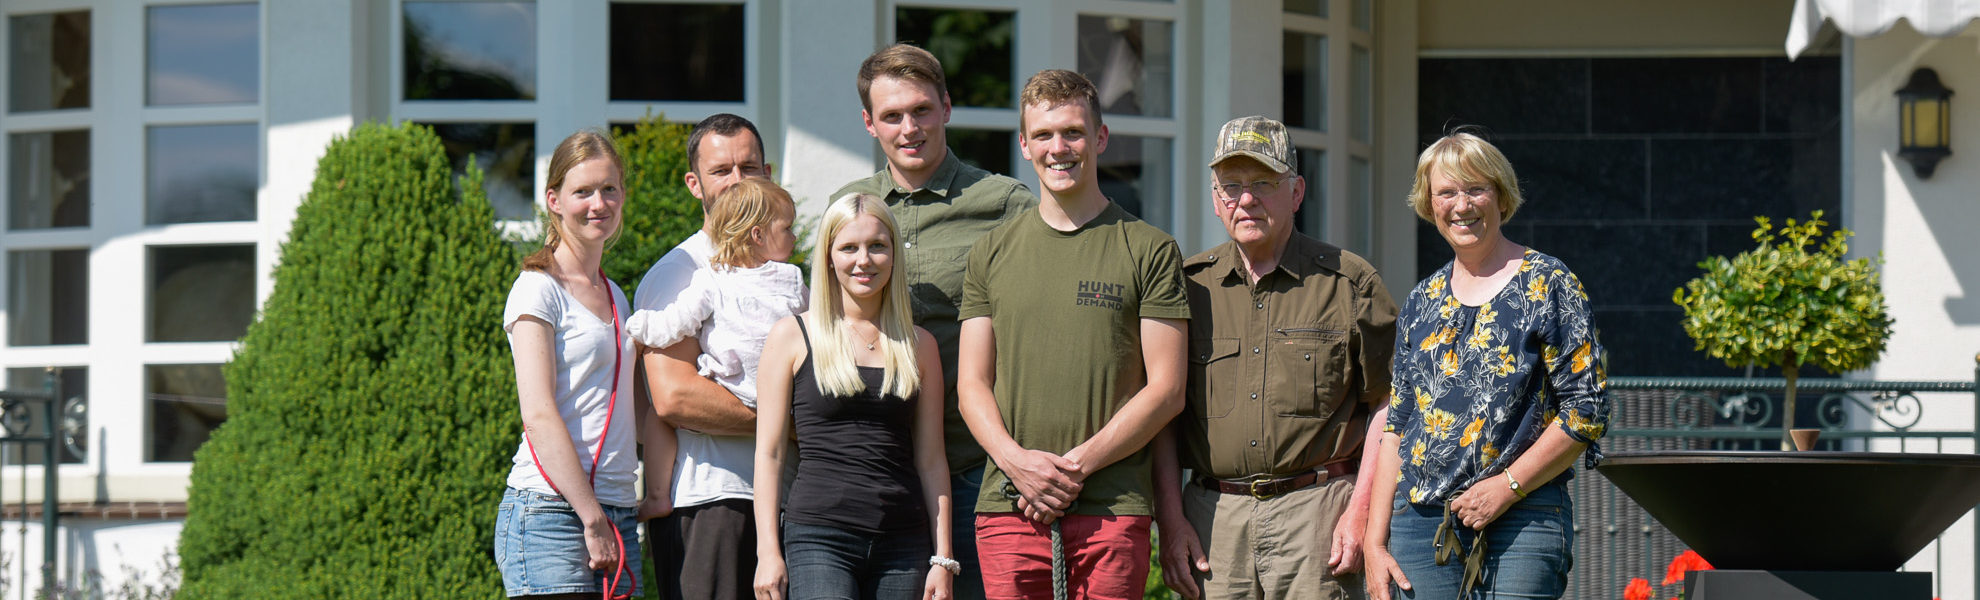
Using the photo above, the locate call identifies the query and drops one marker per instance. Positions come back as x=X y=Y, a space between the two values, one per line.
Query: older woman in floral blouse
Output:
x=1498 y=387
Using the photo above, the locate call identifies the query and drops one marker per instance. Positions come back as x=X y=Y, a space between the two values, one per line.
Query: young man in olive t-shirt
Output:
x=1071 y=360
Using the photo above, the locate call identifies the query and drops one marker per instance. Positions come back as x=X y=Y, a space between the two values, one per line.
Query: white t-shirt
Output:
x=707 y=467
x=730 y=311
x=584 y=386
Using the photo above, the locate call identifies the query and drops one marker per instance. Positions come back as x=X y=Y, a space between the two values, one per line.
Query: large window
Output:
x=978 y=51
x=1132 y=61
x=470 y=51
x=698 y=58
x=1328 y=77
x=111 y=279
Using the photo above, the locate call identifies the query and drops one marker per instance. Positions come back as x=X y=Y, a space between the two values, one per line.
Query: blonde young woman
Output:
x=565 y=527
x=861 y=388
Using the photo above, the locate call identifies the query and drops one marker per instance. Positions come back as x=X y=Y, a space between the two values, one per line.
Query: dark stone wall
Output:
x=1636 y=169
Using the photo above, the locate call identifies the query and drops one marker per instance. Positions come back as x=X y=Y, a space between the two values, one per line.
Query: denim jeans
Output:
x=1529 y=549
x=963 y=487
x=828 y=563
x=539 y=547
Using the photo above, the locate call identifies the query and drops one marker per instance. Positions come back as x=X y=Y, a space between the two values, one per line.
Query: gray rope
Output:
x=1058 y=563
x=1058 y=549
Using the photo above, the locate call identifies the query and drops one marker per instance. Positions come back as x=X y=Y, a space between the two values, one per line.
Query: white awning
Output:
x=1865 y=18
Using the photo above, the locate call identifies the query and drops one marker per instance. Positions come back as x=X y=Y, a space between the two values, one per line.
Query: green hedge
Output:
x=371 y=408
x=659 y=211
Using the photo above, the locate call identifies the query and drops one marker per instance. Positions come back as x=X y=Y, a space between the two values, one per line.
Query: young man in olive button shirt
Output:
x=942 y=207
x=1289 y=370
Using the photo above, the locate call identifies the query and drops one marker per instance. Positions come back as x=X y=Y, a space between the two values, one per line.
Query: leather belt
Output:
x=1268 y=487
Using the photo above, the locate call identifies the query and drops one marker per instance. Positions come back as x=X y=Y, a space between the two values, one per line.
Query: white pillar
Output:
x=824 y=143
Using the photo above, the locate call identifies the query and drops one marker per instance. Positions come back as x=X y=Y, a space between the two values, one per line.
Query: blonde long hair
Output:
x=831 y=343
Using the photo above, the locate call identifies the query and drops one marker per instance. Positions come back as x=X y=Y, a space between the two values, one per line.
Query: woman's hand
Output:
x=770 y=578
x=601 y=543
x=1379 y=570
x=1483 y=502
x=941 y=584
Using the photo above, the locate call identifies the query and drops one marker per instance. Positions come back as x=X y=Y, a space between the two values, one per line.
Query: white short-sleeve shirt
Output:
x=584 y=389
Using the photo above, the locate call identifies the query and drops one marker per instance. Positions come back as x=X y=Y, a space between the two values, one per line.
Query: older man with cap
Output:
x=1289 y=371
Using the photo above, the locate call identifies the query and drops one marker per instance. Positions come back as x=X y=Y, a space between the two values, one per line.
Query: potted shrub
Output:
x=1793 y=300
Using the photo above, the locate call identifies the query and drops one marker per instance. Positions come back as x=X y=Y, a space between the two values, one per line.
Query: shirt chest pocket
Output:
x=935 y=280
x=1215 y=374
x=1308 y=368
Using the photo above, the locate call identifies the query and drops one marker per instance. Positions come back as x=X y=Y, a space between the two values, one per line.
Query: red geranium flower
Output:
x=1639 y=589
x=1684 y=563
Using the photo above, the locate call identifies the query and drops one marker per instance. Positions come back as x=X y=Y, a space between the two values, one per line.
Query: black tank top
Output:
x=855 y=458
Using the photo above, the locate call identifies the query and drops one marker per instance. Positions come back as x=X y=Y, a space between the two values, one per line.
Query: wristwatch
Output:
x=1514 y=485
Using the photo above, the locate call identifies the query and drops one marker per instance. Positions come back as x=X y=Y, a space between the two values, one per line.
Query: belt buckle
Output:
x=1258 y=493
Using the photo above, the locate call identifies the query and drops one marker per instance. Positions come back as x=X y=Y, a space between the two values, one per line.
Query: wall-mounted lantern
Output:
x=1924 y=122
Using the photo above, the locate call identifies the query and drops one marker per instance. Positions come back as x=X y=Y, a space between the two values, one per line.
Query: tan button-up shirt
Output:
x=1285 y=373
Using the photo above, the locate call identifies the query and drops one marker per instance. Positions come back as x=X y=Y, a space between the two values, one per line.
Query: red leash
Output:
x=611 y=584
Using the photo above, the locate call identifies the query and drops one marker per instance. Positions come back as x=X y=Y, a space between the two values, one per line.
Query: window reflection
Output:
x=1135 y=173
x=48 y=179
x=680 y=52
x=976 y=48
x=74 y=383
x=186 y=403
x=1131 y=61
x=48 y=65
x=201 y=293
x=201 y=173
x=986 y=149
x=506 y=153
x=1312 y=216
x=203 y=54
x=47 y=297
x=470 y=51
x=1364 y=15
x=1305 y=81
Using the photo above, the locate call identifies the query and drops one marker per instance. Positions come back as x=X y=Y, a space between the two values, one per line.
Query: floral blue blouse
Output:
x=1475 y=386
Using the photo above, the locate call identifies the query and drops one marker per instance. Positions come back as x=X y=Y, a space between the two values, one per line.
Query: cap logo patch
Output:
x=1251 y=136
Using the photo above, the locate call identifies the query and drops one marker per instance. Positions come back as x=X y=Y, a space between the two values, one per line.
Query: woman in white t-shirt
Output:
x=566 y=523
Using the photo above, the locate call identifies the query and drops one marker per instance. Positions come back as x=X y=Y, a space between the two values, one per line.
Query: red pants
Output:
x=1106 y=557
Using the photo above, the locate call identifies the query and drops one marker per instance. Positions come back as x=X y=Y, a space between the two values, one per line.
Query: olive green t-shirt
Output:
x=938 y=224
x=1066 y=308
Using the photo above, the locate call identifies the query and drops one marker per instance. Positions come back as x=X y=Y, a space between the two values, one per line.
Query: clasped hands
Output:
x=1046 y=483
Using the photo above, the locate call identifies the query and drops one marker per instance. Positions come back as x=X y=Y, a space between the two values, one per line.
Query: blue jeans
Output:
x=963 y=487
x=539 y=547
x=828 y=563
x=1529 y=549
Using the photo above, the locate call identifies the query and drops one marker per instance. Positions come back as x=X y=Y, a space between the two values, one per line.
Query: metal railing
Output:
x=1615 y=540
x=14 y=418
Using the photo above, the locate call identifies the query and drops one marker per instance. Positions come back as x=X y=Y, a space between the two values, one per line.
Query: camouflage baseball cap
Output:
x=1257 y=137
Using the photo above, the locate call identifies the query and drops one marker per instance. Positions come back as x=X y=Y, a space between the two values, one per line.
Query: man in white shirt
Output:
x=711 y=519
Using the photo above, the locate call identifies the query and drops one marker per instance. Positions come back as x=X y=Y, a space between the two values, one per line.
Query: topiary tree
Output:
x=371 y=408
x=1786 y=304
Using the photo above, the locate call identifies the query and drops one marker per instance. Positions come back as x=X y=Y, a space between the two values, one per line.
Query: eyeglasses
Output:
x=1476 y=191
x=1262 y=187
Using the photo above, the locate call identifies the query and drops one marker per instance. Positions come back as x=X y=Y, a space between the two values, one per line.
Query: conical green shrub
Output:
x=371 y=408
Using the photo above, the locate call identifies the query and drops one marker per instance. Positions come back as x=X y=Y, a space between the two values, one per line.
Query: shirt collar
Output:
x=938 y=184
x=1303 y=257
